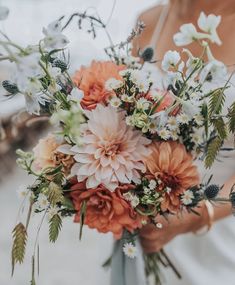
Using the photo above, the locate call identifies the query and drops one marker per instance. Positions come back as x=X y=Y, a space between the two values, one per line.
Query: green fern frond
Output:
x=220 y=127
x=231 y=117
x=19 y=244
x=55 y=226
x=212 y=151
x=216 y=101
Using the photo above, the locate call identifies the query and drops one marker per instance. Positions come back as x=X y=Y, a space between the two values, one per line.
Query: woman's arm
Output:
x=153 y=239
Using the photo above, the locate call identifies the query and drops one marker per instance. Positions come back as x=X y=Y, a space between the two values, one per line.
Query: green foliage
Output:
x=220 y=127
x=55 y=225
x=19 y=244
x=54 y=194
x=82 y=218
x=231 y=117
x=216 y=101
x=212 y=151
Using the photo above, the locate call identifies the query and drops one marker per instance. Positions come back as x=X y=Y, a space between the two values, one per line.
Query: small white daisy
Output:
x=135 y=201
x=164 y=134
x=159 y=225
x=152 y=184
x=198 y=119
x=182 y=118
x=142 y=104
x=174 y=134
x=115 y=102
x=187 y=197
x=197 y=138
x=130 y=250
x=112 y=84
x=42 y=202
x=172 y=123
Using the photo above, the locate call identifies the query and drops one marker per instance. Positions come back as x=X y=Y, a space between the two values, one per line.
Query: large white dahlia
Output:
x=111 y=152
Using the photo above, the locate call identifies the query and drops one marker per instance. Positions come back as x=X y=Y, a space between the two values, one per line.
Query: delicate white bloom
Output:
x=187 y=197
x=42 y=202
x=54 y=39
x=22 y=191
x=189 y=108
x=170 y=60
x=131 y=61
x=126 y=98
x=152 y=127
x=187 y=35
x=198 y=119
x=115 y=102
x=140 y=79
x=129 y=121
x=183 y=118
x=4 y=12
x=159 y=225
x=172 y=123
x=143 y=104
x=152 y=184
x=28 y=66
x=213 y=71
x=174 y=134
x=146 y=190
x=113 y=84
x=197 y=138
x=130 y=250
x=164 y=134
x=209 y=25
x=135 y=201
x=52 y=211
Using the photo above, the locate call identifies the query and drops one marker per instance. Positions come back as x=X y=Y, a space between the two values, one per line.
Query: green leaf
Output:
x=220 y=127
x=54 y=193
x=19 y=245
x=212 y=151
x=231 y=116
x=82 y=218
x=55 y=225
x=216 y=101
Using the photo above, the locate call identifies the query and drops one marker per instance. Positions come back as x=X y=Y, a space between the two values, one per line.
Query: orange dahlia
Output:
x=173 y=166
x=91 y=80
x=106 y=211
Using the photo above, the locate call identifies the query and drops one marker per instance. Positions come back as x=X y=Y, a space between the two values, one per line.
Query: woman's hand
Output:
x=154 y=238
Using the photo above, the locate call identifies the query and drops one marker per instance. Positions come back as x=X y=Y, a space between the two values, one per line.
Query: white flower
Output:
x=187 y=197
x=170 y=60
x=209 y=25
x=115 y=102
x=159 y=225
x=174 y=134
x=54 y=39
x=140 y=79
x=28 y=66
x=113 y=84
x=152 y=184
x=187 y=35
x=146 y=190
x=161 y=118
x=198 y=119
x=152 y=127
x=130 y=250
x=172 y=123
x=22 y=191
x=51 y=212
x=142 y=104
x=182 y=118
x=135 y=201
x=215 y=70
x=42 y=202
x=189 y=108
x=164 y=134
x=196 y=138
x=4 y=12
x=168 y=190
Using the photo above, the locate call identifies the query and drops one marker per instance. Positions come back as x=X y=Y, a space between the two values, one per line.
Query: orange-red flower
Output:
x=91 y=80
x=106 y=211
x=173 y=166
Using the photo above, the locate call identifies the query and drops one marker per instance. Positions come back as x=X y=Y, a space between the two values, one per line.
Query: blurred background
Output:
x=68 y=262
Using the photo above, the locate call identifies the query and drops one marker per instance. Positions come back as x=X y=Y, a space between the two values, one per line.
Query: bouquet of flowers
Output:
x=123 y=147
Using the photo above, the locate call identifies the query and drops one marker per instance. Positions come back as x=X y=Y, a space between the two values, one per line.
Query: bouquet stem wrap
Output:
x=126 y=270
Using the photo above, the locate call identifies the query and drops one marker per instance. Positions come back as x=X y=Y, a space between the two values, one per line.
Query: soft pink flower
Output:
x=112 y=152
